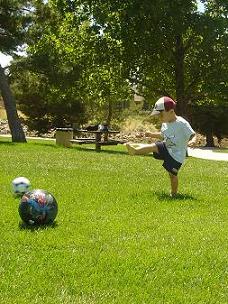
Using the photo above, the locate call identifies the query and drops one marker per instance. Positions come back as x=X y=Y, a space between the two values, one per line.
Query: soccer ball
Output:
x=20 y=185
x=38 y=207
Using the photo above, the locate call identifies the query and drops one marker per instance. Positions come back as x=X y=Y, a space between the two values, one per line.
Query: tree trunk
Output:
x=11 y=111
x=109 y=116
x=179 y=76
x=209 y=140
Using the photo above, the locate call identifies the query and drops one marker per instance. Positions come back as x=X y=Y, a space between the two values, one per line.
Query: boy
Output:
x=175 y=135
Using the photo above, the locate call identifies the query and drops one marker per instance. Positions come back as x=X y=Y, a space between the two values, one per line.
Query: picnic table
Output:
x=99 y=138
x=69 y=136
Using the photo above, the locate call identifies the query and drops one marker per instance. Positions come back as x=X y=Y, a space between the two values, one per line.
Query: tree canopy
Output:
x=92 y=54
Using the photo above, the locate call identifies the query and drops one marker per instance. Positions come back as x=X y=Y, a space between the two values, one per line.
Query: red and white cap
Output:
x=163 y=104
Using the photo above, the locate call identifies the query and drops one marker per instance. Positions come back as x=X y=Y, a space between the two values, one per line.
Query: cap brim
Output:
x=154 y=112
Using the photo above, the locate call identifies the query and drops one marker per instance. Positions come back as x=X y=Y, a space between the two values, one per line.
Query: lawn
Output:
x=118 y=237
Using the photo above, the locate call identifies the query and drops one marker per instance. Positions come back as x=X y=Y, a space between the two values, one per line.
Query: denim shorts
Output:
x=170 y=164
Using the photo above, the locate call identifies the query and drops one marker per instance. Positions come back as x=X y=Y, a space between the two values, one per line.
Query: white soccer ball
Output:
x=20 y=185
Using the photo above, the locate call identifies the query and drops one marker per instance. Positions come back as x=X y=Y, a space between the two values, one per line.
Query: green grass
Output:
x=118 y=237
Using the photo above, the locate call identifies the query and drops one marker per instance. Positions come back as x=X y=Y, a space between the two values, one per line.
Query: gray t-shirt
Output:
x=176 y=136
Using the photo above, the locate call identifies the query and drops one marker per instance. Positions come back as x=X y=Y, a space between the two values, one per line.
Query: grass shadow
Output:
x=33 y=228
x=7 y=143
x=163 y=196
x=101 y=151
x=34 y=142
x=46 y=144
x=125 y=152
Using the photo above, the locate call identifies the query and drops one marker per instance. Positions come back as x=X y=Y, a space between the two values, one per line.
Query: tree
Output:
x=13 y=21
x=80 y=66
x=45 y=82
x=160 y=47
x=169 y=47
x=210 y=107
x=44 y=104
x=10 y=106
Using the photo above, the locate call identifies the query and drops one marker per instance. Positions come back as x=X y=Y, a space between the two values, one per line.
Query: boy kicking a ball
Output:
x=174 y=137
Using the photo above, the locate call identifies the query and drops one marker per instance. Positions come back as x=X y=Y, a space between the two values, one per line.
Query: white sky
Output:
x=201 y=7
x=4 y=60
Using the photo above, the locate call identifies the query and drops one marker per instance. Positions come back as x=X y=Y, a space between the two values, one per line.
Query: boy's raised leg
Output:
x=141 y=149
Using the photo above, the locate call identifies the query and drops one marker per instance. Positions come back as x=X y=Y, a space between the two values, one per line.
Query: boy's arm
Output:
x=192 y=141
x=154 y=135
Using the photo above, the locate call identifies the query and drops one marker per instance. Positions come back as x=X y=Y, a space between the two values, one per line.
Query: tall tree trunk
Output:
x=179 y=75
x=209 y=140
x=11 y=111
x=109 y=116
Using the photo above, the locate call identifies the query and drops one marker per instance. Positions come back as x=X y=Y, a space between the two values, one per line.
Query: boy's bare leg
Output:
x=141 y=149
x=174 y=184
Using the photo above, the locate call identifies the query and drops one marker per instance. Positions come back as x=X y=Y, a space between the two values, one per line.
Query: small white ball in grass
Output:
x=20 y=185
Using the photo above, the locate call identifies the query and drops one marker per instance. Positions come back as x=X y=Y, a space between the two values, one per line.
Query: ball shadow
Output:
x=35 y=227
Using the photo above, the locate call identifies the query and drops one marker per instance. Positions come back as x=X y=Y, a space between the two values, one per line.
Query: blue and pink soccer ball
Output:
x=36 y=207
